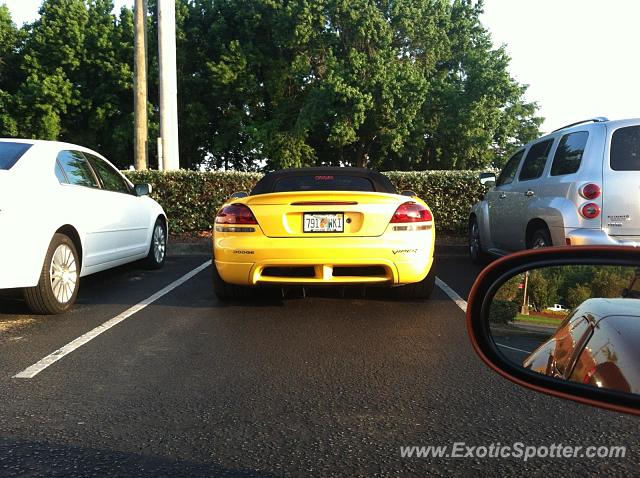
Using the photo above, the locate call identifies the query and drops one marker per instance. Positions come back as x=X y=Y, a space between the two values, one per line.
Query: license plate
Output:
x=322 y=222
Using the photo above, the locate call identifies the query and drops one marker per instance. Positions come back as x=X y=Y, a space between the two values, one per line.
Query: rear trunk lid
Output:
x=362 y=214
x=621 y=182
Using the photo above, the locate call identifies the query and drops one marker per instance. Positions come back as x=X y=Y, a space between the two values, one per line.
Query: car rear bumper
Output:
x=598 y=237
x=391 y=259
x=21 y=258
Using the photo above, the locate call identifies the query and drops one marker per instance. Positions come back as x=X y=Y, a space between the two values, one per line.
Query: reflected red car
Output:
x=597 y=344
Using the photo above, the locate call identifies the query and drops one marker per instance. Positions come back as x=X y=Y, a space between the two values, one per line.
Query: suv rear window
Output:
x=328 y=182
x=625 y=149
x=569 y=153
x=535 y=161
x=10 y=153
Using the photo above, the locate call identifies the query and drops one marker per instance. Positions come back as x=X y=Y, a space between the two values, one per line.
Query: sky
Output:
x=579 y=57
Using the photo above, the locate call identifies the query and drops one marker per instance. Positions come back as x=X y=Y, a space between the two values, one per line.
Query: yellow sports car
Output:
x=323 y=226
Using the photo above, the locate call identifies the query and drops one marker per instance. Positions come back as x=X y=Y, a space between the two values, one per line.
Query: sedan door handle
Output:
x=503 y=196
x=529 y=193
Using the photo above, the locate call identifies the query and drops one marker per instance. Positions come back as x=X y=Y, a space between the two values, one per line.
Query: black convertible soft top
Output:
x=268 y=182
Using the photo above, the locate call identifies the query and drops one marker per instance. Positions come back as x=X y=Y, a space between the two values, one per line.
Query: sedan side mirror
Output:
x=588 y=354
x=488 y=179
x=143 y=189
x=409 y=193
x=239 y=195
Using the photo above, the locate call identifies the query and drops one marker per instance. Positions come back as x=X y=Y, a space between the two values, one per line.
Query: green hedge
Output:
x=449 y=194
x=192 y=198
x=502 y=311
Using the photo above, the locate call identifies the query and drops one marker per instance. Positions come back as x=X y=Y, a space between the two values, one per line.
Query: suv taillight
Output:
x=411 y=212
x=235 y=214
x=590 y=191
x=590 y=210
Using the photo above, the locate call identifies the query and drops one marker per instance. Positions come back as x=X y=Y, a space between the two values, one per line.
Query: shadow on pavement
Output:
x=129 y=284
x=27 y=458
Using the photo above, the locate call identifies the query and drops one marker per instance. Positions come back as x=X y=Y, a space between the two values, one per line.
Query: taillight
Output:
x=411 y=212
x=590 y=210
x=235 y=214
x=590 y=191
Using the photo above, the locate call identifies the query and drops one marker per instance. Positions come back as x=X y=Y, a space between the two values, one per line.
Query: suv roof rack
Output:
x=597 y=119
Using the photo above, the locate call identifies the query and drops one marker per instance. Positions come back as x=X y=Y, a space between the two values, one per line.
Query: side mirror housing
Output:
x=488 y=179
x=143 y=189
x=598 y=364
x=239 y=195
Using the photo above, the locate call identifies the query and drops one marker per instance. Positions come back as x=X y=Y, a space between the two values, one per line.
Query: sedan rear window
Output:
x=77 y=169
x=625 y=149
x=323 y=182
x=10 y=153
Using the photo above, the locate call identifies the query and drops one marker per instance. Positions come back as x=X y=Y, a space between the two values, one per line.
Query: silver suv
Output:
x=578 y=185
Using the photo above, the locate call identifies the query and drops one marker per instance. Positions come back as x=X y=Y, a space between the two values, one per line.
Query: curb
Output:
x=204 y=248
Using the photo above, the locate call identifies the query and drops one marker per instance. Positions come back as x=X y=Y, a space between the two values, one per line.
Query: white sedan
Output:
x=66 y=212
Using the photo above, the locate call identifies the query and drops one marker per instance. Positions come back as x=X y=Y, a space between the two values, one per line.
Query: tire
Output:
x=419 y=290
x=539 y=239
x=476 y=254
x=59 y=281
x=158 y=247
x=228 y=292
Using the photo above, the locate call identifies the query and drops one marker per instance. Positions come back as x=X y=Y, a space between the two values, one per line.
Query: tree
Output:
x=9 y=39
x=73 y=79
x=51 y=55
x=577 y=294
x=543 y=287
x=608 y=282
x=408 y=84
x=476 y=112
x=511 y=290
x=105 y=79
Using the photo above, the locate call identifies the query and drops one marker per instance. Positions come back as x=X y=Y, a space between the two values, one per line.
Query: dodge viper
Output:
x=331 y=226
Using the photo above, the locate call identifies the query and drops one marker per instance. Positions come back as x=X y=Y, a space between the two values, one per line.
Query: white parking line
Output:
x=460 y=302
x=453 y=295
x=38 y=367
x=513 y=348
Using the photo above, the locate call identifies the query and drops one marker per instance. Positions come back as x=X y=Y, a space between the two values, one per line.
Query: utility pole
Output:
x=141 y=134
x=168 y=84
x=525 y=299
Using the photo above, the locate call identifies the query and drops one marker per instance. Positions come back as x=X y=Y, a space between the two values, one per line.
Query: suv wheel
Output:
x=539 y=239
x=476 y=253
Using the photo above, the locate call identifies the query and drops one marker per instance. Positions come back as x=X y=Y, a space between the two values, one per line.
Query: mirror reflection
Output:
x=575 y=322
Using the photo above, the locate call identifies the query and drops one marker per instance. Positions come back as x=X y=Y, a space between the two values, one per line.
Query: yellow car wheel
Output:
x=231 y=292
x=419 y=290
x=228 y=292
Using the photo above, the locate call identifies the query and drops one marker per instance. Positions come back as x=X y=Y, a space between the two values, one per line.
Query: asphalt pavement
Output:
x=323 y=385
